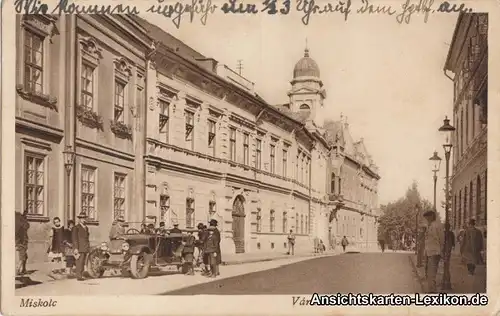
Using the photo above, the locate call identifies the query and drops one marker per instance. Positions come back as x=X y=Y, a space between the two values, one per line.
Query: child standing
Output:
x=211 y=251
x=187 y=254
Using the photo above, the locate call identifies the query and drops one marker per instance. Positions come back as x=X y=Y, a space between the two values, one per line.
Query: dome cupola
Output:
x=306 y=67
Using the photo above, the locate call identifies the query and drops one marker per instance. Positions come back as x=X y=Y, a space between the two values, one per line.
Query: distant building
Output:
x=353 y=181
x=468 y=61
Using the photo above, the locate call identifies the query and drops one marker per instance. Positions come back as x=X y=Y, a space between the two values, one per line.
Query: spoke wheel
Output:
x=139 y=265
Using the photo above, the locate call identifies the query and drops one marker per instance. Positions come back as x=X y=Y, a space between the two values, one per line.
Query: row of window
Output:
x=464 y=207
x=475 y=111
x=169 y=215
x=34 y=75
x=35 y=182
x=302 y=162
x=302 y=227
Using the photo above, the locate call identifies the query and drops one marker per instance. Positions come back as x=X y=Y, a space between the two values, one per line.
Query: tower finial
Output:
x=306 y=51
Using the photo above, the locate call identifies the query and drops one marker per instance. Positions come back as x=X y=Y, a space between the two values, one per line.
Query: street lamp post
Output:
x=69 y=160
x=436 y=164
x=447 y=130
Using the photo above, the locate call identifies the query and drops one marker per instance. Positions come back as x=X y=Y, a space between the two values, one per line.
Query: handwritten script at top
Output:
x=201 y=9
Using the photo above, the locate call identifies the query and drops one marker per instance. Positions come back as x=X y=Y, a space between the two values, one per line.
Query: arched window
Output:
x=190 y=219
x=259 y=220
x=302 y=224
x=478 y=197
x=459 y=208
x=304 y=107
x=307 y=225
x=466 y=124
x=471 y=202
x=285 y=222
x=271 y=221
x=454 y=211
x=332 y=183
x=485 y=195
x=466 y=195
x=461 y=131
x=296 y=223
x=340 y=185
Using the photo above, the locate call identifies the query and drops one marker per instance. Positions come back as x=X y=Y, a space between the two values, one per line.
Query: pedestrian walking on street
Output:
x=213 y=223
x=473 y=245
x=187 y=254
x=434 y=242
x=382 y=244
x=461 y=241
x=211 y=250
x=22 y=226
x=344 y=243
x=56 y=246
x=68 y=247
x=316 y=244
x=291 y=243
x=81 y=245
x=450 y=240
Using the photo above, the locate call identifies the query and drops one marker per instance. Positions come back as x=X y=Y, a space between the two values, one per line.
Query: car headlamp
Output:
x=125 y=246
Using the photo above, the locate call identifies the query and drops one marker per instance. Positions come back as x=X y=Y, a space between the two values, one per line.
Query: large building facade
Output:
x=468 y=61
x=115 y=117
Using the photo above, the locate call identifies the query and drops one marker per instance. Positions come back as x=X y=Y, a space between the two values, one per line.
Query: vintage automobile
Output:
x=135 y=253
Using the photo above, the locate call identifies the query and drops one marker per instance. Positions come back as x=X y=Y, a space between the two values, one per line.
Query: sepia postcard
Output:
x=250 y=157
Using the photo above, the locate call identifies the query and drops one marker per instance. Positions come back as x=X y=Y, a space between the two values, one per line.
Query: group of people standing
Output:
x=67 y=246
x=471 y=247
x=209 y=252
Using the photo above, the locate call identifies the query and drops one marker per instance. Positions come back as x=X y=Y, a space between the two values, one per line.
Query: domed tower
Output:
x=307 y=93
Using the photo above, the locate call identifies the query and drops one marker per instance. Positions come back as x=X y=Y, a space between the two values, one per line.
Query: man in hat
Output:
x=202 y=238
x=213 y=224
x=434 y=243
x=473 y=246
x=212 y=249
x=21 y=236
x=81 y=244
x=176 y=229
x=162 y=229
x=117 y=228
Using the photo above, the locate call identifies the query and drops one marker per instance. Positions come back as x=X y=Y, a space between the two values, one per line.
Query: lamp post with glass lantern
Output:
x=447 y=130
x=436 y=164
x=69 y=160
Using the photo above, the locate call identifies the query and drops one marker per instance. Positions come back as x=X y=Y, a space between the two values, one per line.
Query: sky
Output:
x=386 y=78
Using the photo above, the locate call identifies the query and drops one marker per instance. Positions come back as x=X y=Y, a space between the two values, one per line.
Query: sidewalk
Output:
x=461 y=281
x=41 y=272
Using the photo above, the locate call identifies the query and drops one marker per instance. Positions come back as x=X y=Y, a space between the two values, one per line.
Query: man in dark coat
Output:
x=81 y=245
x=176 y=229
x=213 y=225
x=212 y=248
x=202 y=238
x=21 y=225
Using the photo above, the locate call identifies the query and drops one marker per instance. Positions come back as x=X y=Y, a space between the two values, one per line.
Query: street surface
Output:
x=356 y=273
x=346 y=273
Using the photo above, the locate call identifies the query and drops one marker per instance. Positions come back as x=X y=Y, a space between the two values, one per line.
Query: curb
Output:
x=244 y=261
x=415 y=270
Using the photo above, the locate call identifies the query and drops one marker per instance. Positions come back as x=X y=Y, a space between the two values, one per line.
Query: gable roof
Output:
x=168 y=40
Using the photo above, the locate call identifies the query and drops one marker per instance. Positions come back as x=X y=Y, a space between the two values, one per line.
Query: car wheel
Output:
x=139 y=265
x=94 y=265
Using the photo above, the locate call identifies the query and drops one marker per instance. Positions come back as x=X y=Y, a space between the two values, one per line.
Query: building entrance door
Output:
x=239 y=224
